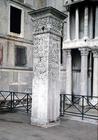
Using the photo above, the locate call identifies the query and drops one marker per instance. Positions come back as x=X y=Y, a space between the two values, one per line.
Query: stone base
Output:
x=45 y=124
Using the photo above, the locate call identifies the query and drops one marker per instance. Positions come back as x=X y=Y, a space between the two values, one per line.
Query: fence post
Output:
x=27 y=102
x=11 y=101
x=82 y=107
x=62 y=104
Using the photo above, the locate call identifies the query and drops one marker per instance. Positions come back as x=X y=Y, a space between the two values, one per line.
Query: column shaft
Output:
x=84 y=70
x=95 y=77
x=91 y=23
x=86 y=22
x=77 y=24
x=68 y=26
x=68 y=72
x=96 y=22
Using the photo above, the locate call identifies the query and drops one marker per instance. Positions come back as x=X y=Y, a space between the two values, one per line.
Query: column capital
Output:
x=95 y=53
x=84 y=51
x=68 y=52
x=47 y=19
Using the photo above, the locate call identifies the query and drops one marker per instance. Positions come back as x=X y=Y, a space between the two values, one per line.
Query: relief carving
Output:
x=47 y=24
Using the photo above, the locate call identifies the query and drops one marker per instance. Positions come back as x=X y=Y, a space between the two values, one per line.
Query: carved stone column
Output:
x=77 y=24
x=84 y=70
x=68 y=73
x=86 y=22
x=95 y=77
x=47 y=31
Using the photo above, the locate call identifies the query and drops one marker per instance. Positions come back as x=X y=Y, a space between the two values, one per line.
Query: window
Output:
x=16 y=21
x=20 y=56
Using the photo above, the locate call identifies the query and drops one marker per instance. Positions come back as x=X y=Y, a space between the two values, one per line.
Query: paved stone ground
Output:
x=20 y=129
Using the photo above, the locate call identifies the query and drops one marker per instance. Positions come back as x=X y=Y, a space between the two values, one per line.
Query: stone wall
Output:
x=12 y=77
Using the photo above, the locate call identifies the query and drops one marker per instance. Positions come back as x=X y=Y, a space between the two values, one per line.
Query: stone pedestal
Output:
x=47 y=29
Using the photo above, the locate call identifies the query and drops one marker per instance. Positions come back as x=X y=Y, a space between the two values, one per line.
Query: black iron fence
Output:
x=15 y=100
x=78 y=105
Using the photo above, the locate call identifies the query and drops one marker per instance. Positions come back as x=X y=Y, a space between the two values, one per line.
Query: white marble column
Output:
x=95 y=77
x=84 y=70
x=86 y=22
x=77 y=24
x=68 y=73
x=91 y=23
x=68 y=26
x=96 y=22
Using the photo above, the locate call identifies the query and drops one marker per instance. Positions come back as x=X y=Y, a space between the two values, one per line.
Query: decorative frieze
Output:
x=47 y=24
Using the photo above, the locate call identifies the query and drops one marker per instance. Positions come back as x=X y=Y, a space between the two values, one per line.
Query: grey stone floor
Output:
x=16 y=126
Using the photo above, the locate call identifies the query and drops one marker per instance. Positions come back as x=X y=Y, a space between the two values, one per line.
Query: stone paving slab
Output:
x=66 y=130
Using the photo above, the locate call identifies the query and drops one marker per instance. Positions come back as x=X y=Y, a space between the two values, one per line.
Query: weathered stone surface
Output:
x=46 y=69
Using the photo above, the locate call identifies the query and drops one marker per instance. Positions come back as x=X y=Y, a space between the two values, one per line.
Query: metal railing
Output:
x=15 y=100
x=79 y=105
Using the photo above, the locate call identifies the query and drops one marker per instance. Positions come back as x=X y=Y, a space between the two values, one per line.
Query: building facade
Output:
x=45 y=52
x=80 y=48
x=15 y=45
